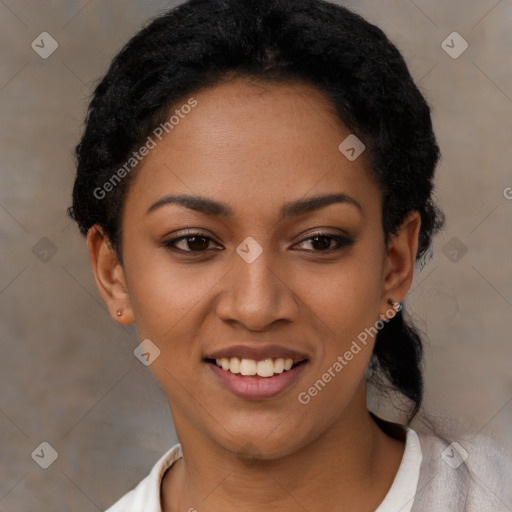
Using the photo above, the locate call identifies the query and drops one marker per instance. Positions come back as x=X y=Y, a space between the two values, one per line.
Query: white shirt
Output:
x=146 y=496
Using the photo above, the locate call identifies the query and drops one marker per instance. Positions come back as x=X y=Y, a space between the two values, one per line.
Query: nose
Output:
x=257 y=294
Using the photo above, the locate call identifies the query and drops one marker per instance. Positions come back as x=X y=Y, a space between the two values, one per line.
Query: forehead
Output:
x=245 y=142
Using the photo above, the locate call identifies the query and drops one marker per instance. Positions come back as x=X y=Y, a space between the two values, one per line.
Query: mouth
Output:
x=257 y=379
x=266 y=368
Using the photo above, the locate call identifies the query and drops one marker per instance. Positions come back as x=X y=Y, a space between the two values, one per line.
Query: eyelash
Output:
x=341 y=241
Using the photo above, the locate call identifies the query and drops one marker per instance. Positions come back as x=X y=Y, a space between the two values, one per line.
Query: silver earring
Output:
x=119 y=312
x=397 y=306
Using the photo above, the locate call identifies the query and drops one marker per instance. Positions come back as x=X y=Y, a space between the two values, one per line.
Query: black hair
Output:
x=202 y=42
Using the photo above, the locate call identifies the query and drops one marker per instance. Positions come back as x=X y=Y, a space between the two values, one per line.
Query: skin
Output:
x=256 y=147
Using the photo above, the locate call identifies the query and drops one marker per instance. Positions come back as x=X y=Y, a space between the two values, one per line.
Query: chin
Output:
x=264 y=443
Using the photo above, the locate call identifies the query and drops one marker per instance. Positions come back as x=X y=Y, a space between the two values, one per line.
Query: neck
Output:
x=353 y=464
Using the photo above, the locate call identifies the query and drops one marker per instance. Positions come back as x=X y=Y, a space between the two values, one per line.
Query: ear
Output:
x=109 y=275
x=400 y=261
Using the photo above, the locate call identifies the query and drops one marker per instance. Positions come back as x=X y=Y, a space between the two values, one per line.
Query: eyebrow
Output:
x=209 y=206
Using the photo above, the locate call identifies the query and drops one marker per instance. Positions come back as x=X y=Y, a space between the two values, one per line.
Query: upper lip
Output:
x=258 y=353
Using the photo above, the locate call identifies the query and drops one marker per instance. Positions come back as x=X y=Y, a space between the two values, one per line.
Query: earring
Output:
x=397 y=306
x=119 y=312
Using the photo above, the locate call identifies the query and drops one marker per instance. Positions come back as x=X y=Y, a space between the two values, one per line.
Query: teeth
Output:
x=265 y=368
x=279 y=365
x=248 y=367
x=233 y=365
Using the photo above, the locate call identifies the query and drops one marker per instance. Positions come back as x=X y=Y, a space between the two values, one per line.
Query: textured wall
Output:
x=67 y=371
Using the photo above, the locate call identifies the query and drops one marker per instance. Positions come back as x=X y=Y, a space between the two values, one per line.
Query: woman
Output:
x=255 y=182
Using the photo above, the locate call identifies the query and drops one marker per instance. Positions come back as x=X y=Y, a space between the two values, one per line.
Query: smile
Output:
x=248 y=367
x=257 y=380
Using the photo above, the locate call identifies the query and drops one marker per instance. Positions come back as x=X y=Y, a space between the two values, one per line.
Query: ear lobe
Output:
x=401 y=259
x=109 y=275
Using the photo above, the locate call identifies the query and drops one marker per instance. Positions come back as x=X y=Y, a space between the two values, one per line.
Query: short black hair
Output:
x=202 y=42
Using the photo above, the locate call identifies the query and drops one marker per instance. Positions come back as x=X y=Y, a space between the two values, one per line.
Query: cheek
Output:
x=346 y=300
x=164 y=294
x=346 y=295
x=349 y=307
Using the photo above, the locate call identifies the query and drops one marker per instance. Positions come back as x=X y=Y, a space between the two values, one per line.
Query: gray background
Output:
x=68 y=374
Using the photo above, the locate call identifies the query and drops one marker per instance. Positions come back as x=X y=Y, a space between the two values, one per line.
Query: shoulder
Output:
x=145 y=497
x=469 y=474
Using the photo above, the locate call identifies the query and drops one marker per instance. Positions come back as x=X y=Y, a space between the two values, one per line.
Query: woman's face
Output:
x=254 y=283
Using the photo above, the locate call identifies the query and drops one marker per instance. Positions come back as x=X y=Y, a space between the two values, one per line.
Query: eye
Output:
x=196 y=242
x=322 y=241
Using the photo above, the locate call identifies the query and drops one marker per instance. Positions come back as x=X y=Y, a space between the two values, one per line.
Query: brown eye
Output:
x=321 y=242
x=195 y=242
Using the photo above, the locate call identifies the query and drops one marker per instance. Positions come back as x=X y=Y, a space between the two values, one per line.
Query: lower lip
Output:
x=258 y=388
